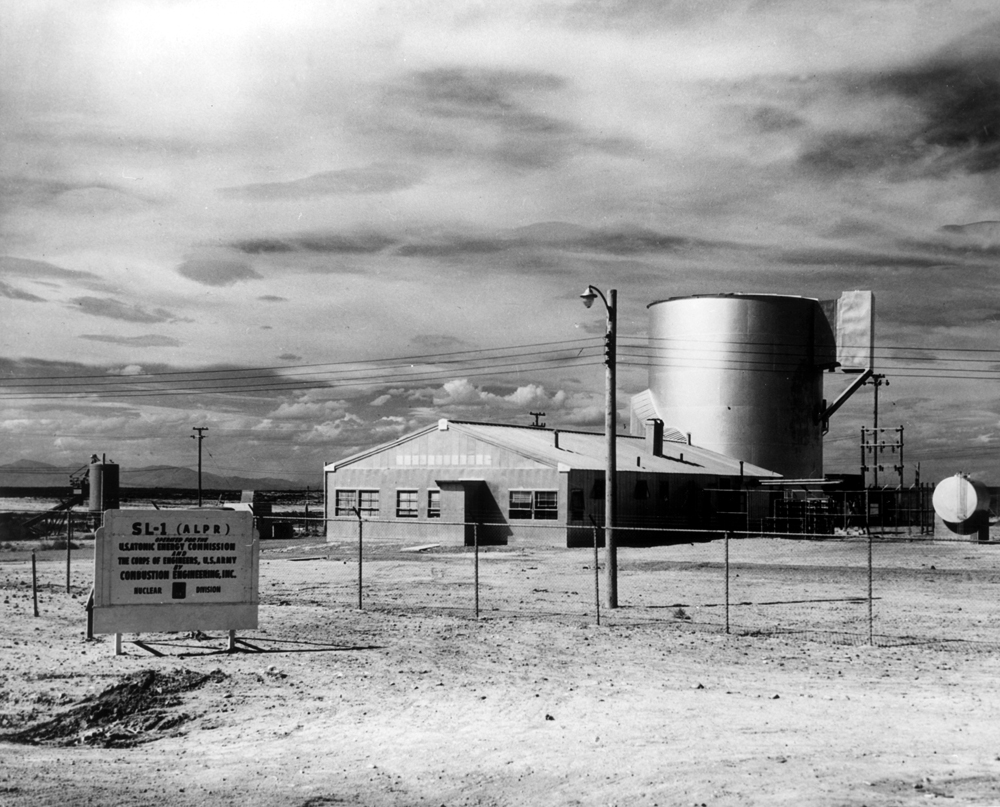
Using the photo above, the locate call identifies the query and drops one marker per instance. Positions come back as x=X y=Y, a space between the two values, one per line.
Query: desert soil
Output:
x=406 y=703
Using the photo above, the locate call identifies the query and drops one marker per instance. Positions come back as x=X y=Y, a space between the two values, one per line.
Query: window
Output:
x=365 y=501
x=346 y=501
x=546 y=504
x=520 y=503
x=576 y=504
x=368 y=502
x=536 y=504
x=406 y=504
x=433 y=504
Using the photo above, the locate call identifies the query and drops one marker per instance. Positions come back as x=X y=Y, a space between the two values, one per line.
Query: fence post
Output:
x=34 y=582
x=871 y=636
x=475 y=541
x=69 y=544
x=597 y=575
x=360 y=557
x=726 y=544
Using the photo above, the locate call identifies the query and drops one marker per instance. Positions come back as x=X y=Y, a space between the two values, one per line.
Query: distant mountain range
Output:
x=31 y=474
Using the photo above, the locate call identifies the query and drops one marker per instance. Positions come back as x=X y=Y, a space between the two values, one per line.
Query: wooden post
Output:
x=360 y=557
x=34 y=582
x=231 y=647
x=871 y=635
x=69 y=545
x=118 y=645
x=597 y=578
x=726 y=543
x=475 y=541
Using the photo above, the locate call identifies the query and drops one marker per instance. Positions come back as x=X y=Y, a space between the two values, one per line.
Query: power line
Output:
x=400 y=361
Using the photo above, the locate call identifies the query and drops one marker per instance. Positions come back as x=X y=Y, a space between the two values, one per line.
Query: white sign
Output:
x=175 y=570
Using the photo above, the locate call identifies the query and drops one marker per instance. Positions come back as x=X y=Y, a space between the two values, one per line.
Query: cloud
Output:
x=272 y=298
x=322 y=243
x=115 y=309
x=217 y=272
x=938 y=117
x=24 y=267
x=486 y=113
x=374 y=178
x=150 y=340
x=14 y=293
x=128 y=370
x=436 y=342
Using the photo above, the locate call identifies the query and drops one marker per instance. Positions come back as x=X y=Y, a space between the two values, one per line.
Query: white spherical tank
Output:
x=743 y=375
x=963 y=504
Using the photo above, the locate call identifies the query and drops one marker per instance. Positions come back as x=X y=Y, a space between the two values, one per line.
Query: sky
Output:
x=312 y=227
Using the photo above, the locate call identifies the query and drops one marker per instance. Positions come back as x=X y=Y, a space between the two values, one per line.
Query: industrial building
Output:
x=499 y=483
x=735 y=399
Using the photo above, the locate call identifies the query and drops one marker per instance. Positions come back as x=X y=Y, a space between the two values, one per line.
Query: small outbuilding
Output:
x=500 y=484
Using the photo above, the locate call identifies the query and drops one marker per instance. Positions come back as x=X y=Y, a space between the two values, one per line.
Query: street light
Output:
x=590 y=294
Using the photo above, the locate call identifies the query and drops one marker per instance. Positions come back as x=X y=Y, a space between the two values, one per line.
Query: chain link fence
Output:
x=856 y=588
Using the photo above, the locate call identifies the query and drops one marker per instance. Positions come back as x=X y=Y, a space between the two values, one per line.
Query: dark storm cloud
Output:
x=956 y=128
x=14 y=293
x=375 y=178
x=150 y=340
x=216 y=272
x=115 y=309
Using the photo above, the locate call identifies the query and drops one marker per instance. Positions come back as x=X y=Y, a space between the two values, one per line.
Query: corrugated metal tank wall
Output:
x=742 y=374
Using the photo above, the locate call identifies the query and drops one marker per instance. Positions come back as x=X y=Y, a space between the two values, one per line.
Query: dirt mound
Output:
x=138 y=709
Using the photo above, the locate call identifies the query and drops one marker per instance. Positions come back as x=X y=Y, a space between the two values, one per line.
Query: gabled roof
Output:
x=582 y=450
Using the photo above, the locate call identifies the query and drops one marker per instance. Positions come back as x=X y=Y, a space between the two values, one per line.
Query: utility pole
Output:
x=536 y=415
x=590 y=294
x=199 y=437
x=876 y=380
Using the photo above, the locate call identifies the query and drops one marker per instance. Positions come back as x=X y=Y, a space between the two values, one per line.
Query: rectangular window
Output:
x=433 y=504
x=536 y=504
x=546 y=504
x=406 y=504
x=576 y=504
x=368 y=503
x=346 y=501
x=520 y=504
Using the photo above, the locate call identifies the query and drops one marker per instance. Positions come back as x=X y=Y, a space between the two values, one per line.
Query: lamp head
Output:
x=588 y=296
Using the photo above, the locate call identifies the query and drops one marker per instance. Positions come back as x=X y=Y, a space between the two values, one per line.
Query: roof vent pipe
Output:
x=689 y=438
x=654 y=436
x=555 y=437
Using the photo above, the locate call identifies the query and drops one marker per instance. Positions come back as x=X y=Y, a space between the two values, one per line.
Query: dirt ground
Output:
x=403 y=703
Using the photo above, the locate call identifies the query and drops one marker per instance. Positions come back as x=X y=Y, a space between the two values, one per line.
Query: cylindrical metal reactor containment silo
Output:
x=743 y=375
x=104 y=493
